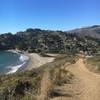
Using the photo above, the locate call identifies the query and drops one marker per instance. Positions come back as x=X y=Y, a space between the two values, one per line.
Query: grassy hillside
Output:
x=94 y=63
x=26 y=85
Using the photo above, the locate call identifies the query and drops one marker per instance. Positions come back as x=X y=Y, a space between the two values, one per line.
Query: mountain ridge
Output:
x=91 y=31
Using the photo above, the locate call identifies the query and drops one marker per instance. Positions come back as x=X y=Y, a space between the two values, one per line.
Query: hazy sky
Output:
x=17 y=15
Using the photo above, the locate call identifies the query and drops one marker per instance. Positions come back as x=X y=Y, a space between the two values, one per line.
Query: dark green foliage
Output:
x=42 y=41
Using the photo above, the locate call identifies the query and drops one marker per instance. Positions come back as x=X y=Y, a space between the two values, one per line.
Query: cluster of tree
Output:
x=44 y=41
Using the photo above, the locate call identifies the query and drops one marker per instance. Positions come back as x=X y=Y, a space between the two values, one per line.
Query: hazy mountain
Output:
x=93 y=31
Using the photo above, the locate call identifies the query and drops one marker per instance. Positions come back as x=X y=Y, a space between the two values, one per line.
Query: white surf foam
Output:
x=23 y=58
x=14 y=68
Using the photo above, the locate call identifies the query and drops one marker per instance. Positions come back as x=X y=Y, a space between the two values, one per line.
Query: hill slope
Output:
x=46 y=41
x=93 y=31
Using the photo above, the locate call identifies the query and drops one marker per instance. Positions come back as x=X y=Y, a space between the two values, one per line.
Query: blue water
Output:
x=7 y=60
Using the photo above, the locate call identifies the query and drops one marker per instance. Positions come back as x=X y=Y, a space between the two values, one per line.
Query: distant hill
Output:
x=92 y=31
x=47 y=41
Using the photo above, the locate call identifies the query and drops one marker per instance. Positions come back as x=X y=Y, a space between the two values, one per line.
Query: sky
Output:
x=18 y=15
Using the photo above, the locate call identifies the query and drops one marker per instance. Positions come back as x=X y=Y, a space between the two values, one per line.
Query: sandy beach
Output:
x=36 y=61
x=30 y=60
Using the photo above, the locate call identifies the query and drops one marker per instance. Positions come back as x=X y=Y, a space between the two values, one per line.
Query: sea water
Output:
x=11 y=62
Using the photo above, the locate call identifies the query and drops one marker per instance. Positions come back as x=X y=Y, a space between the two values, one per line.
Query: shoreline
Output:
x=14 y=51
x=23 y=58
x=29 y=61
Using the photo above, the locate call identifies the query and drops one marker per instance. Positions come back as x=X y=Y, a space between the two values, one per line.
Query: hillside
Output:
x=46 y=41
x=93 y=31
x=26 y=85
x=66 y=78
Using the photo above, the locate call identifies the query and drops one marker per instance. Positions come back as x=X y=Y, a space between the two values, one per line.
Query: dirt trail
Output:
x=89 y=81
x=45 y=86
x=86 y=85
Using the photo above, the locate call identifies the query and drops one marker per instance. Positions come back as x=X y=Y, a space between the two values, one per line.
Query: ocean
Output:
x=10 y=62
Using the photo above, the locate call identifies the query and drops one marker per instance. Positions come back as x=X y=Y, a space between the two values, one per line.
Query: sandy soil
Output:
x=86 y=85
x=45 y=87
x=89 y=81
x=36 y=60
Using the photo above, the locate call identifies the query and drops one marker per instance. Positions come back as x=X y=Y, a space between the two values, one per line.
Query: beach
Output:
x=30 y=61
x=36 y=60
x=22 y=60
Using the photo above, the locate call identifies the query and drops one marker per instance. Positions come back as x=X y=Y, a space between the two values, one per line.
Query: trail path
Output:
x=45 y=86
x=86 y=86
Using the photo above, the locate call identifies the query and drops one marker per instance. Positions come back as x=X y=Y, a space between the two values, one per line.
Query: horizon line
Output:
x=63 y=30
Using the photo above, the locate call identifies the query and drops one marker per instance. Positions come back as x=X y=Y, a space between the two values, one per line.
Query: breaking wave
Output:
x=23 y=59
